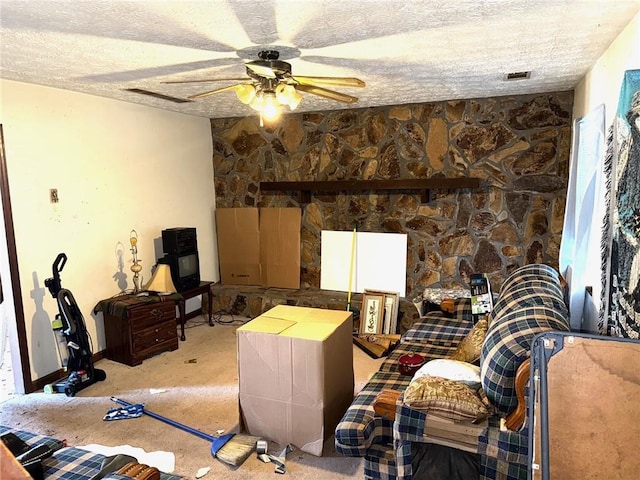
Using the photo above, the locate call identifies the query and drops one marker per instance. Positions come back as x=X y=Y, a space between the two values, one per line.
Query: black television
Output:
x=185 y=270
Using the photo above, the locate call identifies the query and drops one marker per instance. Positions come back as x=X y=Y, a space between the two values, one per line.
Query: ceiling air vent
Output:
x=517 y=76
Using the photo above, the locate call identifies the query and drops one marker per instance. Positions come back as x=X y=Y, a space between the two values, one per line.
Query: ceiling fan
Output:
x=271 y=85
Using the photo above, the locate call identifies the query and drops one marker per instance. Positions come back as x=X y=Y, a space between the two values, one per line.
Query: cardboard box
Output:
x=259 y=246
x=295 y=371
x=280 y=247
x=238 y=245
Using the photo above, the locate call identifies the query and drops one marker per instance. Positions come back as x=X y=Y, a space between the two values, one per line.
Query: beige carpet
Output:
x=198 y=386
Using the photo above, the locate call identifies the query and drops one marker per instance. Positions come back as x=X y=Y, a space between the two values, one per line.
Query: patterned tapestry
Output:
x=621 y=239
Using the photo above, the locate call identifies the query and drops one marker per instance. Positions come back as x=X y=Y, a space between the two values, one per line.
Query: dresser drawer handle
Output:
x=156 y=313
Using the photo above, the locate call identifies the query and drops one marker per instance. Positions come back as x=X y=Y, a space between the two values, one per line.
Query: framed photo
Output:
x=391 y=307
x=372 y=313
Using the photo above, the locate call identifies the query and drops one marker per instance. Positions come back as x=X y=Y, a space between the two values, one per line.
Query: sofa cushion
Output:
x=507 y=345
x=427 y=351
x=441 y=328
x=445 y=398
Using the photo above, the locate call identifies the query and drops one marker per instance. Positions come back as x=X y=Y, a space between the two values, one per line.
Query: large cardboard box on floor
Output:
x=259 y=246
x=295 y=371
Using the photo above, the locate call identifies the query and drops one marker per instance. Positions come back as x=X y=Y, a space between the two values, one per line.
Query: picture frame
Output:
x=391 y=308
x=372 y=314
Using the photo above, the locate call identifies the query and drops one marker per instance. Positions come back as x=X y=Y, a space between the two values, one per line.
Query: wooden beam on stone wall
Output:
x=424 y=185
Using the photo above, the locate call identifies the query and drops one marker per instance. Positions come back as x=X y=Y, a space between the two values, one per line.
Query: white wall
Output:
x=117 y=167
x=601 y=85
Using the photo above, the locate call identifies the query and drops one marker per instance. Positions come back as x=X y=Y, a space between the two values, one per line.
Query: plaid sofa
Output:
x=69 y=463
x=530 y=301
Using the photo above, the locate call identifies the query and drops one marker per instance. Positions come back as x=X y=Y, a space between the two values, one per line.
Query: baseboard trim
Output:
x=39 y=383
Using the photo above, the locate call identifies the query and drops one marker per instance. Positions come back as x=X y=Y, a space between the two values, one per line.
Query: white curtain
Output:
x=580 y=260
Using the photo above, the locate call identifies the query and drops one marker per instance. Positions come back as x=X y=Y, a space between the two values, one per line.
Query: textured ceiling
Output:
x=405 y=51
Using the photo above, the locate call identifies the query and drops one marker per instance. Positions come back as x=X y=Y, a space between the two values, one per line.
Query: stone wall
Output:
x=518 y=146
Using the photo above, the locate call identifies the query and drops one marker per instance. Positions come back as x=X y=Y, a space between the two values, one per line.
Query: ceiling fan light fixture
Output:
x=271 y=86
x=245 y=93
x=295 y=101
x=283 y=93
x=258 y=102
x=270 y=106
x=288 y=95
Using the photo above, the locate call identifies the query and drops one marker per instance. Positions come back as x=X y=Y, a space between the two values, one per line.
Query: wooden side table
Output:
x=203 y=289
x=137 y=328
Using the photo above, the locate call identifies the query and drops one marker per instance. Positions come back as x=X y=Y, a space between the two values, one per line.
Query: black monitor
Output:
x=185 y=270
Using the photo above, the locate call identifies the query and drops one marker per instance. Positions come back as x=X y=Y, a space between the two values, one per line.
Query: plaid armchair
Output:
x=530 y=301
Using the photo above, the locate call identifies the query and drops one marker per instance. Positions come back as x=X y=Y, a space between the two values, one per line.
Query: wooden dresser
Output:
x=140 y=330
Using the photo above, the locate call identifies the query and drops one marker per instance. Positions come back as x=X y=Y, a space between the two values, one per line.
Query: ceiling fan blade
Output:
x=323 y=92
x=207 y=80
x=337 y=81
x=212 y=92
x=163 y=70
x=262 y=70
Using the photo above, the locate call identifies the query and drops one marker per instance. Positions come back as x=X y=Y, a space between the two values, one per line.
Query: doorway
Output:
x=14 y=368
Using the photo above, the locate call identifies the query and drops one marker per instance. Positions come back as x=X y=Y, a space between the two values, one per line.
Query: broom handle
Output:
x=198 y=433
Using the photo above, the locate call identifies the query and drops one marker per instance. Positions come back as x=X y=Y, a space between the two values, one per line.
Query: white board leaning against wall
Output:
x=379 y=261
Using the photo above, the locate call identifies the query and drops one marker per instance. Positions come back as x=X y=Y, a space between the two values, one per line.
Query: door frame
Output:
x=16 y=292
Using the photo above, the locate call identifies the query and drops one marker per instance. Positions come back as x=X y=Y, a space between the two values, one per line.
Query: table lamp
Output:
x=161 y=282
x=136 y=268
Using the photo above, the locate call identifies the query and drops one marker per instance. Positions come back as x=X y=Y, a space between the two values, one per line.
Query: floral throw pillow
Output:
x=446 y=398
x=470 y=347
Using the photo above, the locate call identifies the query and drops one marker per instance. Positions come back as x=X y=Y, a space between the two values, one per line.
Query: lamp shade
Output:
x=270 y=107
x=288 y=95
x=245 y=93
x=161 y=280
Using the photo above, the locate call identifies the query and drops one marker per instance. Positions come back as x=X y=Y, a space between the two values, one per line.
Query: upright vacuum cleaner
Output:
x=80 y=361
